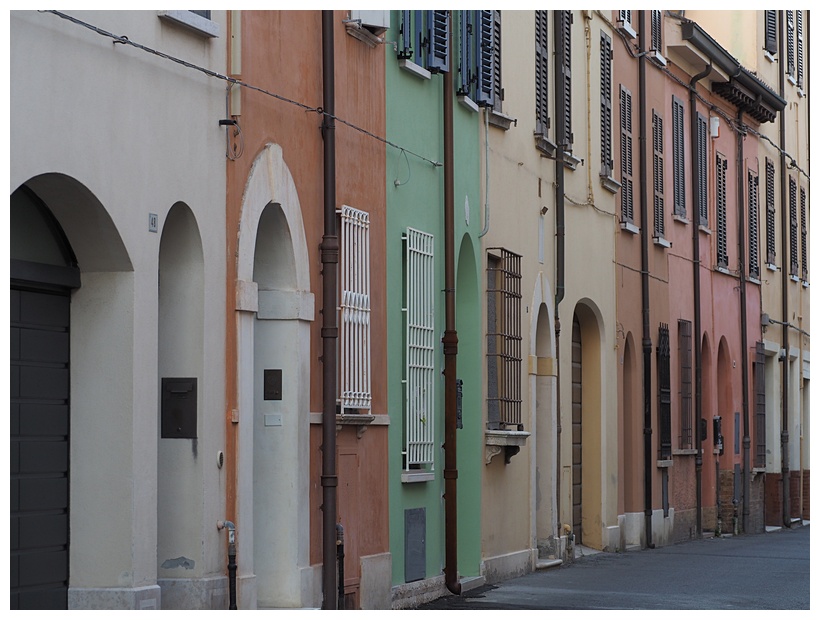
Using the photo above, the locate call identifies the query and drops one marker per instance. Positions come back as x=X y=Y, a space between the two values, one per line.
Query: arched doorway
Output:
x=43 y=273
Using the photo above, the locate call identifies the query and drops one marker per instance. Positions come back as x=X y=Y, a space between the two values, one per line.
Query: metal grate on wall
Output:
x=504 y=340
x=354 y=311
x=420 y=348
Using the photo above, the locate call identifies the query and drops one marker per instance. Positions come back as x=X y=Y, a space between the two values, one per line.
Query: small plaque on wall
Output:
x=178 y=408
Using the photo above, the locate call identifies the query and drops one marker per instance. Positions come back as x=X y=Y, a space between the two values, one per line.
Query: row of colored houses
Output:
x=353 y=309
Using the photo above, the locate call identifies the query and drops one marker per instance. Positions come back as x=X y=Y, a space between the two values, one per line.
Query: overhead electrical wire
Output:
x=318 y=110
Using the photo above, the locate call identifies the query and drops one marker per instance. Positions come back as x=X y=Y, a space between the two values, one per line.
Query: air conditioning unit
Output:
x=375 y=21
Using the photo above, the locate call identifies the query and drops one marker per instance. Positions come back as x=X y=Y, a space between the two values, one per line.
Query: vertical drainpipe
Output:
x=784 y=272
x=560 y=231
x=693 y=133
x=647 y=338
x=450 y=340
x=744 y=352
x=329 y=250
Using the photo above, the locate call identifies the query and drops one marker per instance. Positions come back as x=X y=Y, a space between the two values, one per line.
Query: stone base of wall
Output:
x=731 y=512
x=374 y=584
x=806 y=495
x=411 y=595
x=773 y=499
x=507 y=566
x=205 y=593
x=148 y=597
x=794 y=494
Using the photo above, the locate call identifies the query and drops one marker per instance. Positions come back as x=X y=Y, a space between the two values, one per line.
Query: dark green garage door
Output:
x=39 y=448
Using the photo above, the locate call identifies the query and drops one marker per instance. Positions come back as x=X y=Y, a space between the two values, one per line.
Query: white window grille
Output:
x=421 y=349
x=354 y=312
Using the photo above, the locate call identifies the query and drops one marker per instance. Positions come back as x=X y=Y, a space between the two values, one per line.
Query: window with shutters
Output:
x=607 y=163
x=664 y=394
x=804 y=248
x=721 y=164
x=627 y=199
x=424 y=40
x=420 y=350
x=495 y=55
x=565 y=62
x=793 y=252
x=702 y=171
x=770 y=33
x=771 y=255
x=678 y=162
x=754 y=227
x=625 y=24
x=760 y=405
x=656 y=37
x=354 y=312
x=542 y=56
x=685 y=364
x=657 y=175
x=503 y=340
x=790 y=46
x=798 y=16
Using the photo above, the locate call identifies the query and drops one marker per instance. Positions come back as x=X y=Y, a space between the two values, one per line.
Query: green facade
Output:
x=415 y=199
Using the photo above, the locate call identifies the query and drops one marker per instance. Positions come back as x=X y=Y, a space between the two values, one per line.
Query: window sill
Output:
x=468 y=103
x=571 y=161
x=630 y=228
x=502 y=121
x=680 y=218
x=410 y=476
x=805 y=284
x=753 y=280
x=771 y=267
x=627 y=29
x=509 y=442
x=794 y=278
x=660 y=241
x=357 y=31
x=770 y=57
x=610 y=184
x=664 y=463
x=792 y=80
x=656 y=57
x=724 y=270
x=543 y=144
x=704 y=229
x=414 y=69
x=193 y=22
x=685 y=452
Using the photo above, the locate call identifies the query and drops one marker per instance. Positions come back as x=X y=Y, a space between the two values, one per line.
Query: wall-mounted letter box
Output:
x=273 y=384
x=178 y=408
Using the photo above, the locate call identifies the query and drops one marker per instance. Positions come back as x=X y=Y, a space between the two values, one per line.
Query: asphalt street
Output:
x=757 y=571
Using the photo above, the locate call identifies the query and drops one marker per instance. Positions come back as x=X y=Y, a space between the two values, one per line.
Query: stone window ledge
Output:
x=510 y=442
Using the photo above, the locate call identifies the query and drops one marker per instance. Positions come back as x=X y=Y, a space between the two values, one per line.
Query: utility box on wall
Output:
x=178 y=413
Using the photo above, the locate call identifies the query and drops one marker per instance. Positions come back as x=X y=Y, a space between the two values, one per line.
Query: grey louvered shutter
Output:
x=799 y=25
x=760 y=404
x=804 y=251
x=606 y=105
x=465 y=56
x=770 y=44
x=485 y=84
x=664 y=393
x=754 y=225
x=438 y=35
x=498 y=91
x=656 y=28
x=657 y=160
x=542 y=122
x=790 y=43
x=720 y=199
x=678 y=163
x=771 y=254
x=702 y=171
x=566 y=75
x=627 y=204
x=793 y=227
x=405 y=35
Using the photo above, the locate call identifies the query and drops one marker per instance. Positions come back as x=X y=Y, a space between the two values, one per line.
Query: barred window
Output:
x=754 y=226
x=685 y=363
x=504 y=340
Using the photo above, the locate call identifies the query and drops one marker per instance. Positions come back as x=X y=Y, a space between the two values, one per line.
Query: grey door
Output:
x=39 y=388
x=576 y=429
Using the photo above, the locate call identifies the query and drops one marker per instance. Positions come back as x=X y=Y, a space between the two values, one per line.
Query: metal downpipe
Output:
x=784 y=274
x=647 y=337
x=744 y=350
x=693 y=112
x=329 y=250
x=450 y=342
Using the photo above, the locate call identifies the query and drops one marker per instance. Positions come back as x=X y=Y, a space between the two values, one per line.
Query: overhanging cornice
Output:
x=743 y=89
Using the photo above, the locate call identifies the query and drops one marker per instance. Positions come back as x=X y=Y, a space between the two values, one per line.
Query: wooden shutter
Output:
x=804 y=254
x=799 y=25
x=754 y=225
x=498 y=91
x=770 y=44
x=793 y=227
x=760 y=405
x=565 y=19
x=702 y=171
x=485 y=85
x=438 y=35
x=678 y=163
x=405 y=49
x=685 y=362
x=790 y=43
x=664 y=393
x=720 y=205
x=627 y=205
x=466 y=53
x=771 y=255
x=542 y=122
x=657 y=26
x=606 y=105
x=657 y=158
